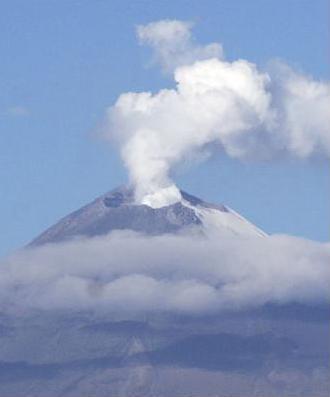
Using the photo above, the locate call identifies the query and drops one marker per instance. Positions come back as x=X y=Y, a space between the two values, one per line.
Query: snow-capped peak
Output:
x=223 y=219
x=117 y=210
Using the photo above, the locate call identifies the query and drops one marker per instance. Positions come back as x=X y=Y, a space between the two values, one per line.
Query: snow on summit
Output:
x=117 y=210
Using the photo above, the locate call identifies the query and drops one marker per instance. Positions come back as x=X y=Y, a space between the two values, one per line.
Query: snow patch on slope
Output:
x=227 y=220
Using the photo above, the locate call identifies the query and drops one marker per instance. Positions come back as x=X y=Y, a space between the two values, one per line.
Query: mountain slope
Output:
x=116 y=210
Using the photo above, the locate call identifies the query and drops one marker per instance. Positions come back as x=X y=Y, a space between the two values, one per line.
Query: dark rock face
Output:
x=116 y=211
x=114 y=201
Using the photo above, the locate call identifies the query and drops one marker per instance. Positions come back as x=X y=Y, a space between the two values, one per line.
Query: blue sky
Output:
x=64 y=62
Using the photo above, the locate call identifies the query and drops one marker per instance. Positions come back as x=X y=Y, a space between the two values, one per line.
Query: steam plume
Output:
x=173 y=44
x=248 y=112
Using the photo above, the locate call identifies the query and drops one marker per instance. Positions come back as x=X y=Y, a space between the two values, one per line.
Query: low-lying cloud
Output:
x=132 y=274
x=248 y=112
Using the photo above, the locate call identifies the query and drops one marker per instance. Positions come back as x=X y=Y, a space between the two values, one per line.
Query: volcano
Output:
x=116 y=210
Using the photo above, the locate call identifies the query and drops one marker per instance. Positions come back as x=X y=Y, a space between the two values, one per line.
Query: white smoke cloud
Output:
x=134 y=274
x=173 y=44
x=303 y=112
x=249 y=113
x=213 y=101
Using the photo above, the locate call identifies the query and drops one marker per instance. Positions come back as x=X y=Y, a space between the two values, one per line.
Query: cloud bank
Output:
x=130 y=274
x=249 y=113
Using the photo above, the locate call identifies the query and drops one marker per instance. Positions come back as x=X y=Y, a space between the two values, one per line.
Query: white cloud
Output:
x=213 y=101
x=248 y=112
x=303 y=116
x=134 y=274
x=173 y=44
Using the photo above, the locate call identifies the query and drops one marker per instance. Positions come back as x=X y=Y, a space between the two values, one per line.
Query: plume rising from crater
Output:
x=248 y=112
